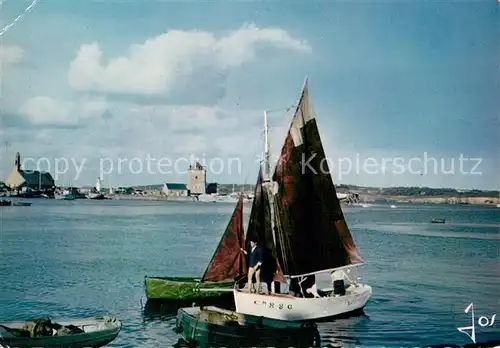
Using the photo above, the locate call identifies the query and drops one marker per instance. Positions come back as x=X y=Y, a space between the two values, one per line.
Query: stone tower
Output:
x=197 y=179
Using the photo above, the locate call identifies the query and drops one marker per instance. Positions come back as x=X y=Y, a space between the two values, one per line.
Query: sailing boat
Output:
x=228 y=265
x=311 y=234
x=64 y=194
x=96 y=193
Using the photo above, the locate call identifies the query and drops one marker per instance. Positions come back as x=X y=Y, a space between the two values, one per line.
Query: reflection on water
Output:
x=157 y=310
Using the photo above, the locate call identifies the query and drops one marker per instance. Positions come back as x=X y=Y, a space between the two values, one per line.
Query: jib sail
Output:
x=228 y=262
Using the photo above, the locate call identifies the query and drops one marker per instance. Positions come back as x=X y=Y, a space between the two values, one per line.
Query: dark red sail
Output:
x=312 y=234
x=260 y=226
x=228 y=262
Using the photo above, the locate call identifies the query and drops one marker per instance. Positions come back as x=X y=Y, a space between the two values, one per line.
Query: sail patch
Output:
x=303 y=115
x=296 y=130
x=306 y=107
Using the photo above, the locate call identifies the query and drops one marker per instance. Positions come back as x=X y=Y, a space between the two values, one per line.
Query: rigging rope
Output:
x=255 y=154
x=283 y=117
x=18 y=18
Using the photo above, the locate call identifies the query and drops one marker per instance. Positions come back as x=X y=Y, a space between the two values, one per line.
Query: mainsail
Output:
x=312 y=234
x=228 y=262
x=260 y=227
x=259 y=224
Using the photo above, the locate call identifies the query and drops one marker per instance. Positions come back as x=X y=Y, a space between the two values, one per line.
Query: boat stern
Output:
x=365 y=295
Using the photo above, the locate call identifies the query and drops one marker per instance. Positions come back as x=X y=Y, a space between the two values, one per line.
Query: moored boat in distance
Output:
x=222 y=198
x=438 y=221
x=68 y=333
x=363 y=205
x=5 y=203
x=22 y=204
x=311 y=234
x=65 y=195
x=227 y=265
x=95 y=193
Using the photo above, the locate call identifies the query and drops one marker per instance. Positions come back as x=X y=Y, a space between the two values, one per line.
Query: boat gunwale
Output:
x=113 y=321
x=193 y=314
x=353 y=291
x=181 y=280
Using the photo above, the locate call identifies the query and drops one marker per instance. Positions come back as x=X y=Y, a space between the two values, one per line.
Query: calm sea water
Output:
x=85 y=258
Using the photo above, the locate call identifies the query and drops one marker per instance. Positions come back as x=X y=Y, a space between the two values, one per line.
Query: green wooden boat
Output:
x=216 y=327
x=228 y=265
x=182 y=288
x=74 y=333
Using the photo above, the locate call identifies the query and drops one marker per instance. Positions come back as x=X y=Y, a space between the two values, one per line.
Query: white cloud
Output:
x=191 y=144
x=10 y=55
x=46 y=111
x=136 y=130
x=171 y=130
x=172 y=60
x=244 y=142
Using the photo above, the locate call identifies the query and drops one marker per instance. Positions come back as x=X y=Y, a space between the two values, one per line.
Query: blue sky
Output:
x=89 y=80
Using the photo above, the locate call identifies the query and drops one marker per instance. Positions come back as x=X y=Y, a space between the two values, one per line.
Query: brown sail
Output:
x=312 y=234
x=260 y=226
x=228 y=262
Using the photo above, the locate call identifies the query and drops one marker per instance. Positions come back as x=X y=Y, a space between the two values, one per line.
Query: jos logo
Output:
x=483 y=321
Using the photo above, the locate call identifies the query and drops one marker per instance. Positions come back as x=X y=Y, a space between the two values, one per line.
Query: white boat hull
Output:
x=290 y=308
x=65 y=197
x=95 y=196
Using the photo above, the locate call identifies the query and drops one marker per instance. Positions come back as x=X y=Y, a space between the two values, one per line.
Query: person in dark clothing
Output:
x=255 y=259
x=268 y=269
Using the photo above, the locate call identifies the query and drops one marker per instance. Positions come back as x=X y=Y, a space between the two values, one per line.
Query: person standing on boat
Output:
x=254 y=265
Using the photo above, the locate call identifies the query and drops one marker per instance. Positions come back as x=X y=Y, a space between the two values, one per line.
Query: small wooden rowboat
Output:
x=216 y=327
x=74 y=333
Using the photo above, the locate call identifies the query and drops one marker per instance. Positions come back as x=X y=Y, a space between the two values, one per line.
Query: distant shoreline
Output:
x=152 y=198
x=385 y=191
x=363 y=198
x=362 y=194
x=491 y=201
